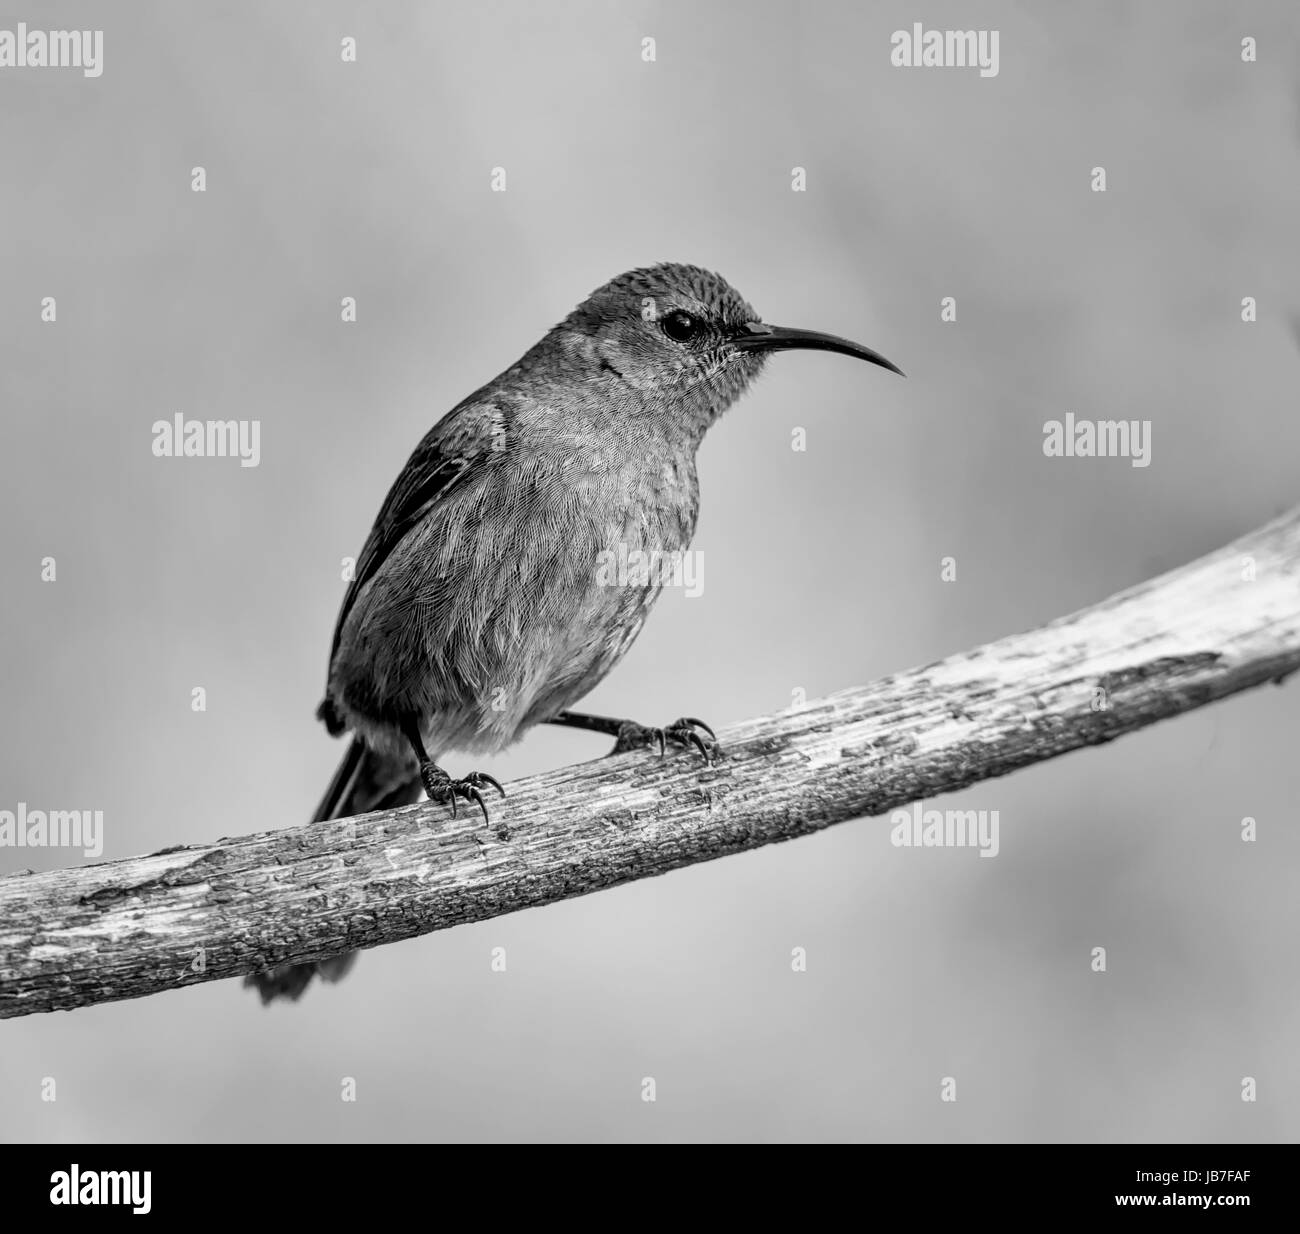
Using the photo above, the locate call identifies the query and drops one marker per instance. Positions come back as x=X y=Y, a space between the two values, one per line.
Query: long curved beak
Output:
x=759 y=336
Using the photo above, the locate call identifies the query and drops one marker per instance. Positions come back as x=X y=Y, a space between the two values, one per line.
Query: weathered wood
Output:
x=122 y=929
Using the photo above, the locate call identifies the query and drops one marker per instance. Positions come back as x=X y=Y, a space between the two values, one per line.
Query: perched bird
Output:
x=477 y=608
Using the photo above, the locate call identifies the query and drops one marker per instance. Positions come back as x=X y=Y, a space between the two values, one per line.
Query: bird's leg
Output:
x=441 y=787
x=633 y=736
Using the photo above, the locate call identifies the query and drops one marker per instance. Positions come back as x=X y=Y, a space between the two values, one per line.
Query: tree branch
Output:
x=122 y=929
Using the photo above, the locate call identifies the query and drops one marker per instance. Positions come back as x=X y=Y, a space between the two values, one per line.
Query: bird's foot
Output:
x=634 y=736
x=442 y=788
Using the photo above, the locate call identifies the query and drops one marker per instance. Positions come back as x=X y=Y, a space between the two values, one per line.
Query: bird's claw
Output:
x=633 y=736
x=478 y=779
x=442 y=788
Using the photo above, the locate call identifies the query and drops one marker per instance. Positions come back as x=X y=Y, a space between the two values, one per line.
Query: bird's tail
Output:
x=364 y=781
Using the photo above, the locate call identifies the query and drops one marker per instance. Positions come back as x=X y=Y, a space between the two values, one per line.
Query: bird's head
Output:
x=683 y=338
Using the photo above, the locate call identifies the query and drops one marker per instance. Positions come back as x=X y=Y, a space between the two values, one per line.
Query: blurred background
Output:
x=822 y=568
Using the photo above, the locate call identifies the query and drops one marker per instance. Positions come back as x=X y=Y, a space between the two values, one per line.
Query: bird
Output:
x=477 y=609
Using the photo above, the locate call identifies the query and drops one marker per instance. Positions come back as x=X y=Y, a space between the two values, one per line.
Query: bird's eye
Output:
x=681 y=326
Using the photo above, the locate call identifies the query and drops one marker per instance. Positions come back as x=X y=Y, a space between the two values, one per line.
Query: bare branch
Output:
x=122 y=929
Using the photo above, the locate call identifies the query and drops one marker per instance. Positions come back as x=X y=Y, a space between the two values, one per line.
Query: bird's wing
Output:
x=456 y=446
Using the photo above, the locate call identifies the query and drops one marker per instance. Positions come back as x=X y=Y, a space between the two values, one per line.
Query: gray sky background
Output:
x=821 y=568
